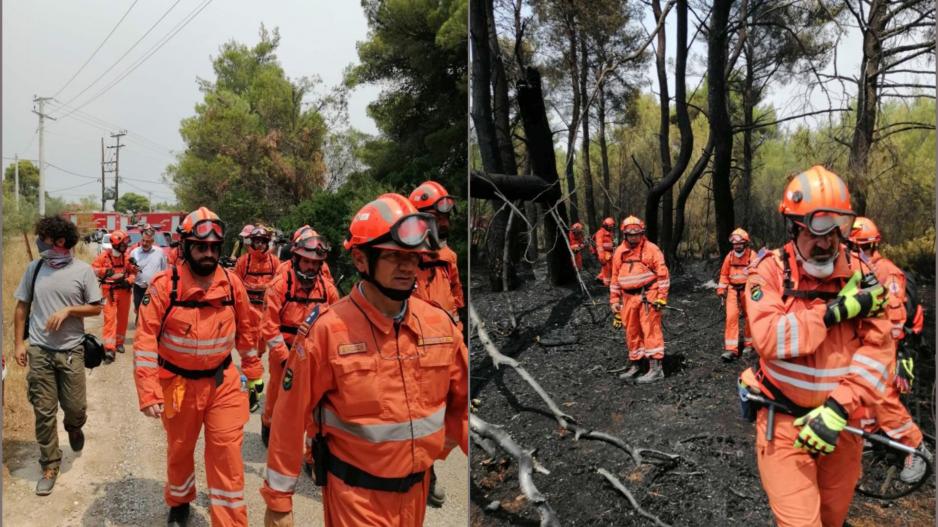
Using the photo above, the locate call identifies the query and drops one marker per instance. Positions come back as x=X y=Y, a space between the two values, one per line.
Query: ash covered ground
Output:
x=693 y=413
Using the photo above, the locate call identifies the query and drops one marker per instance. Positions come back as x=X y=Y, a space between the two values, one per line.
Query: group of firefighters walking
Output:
x=829 y=319
x=366 y=391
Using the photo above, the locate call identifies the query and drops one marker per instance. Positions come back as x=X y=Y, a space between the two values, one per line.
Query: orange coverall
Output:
x=576 y=245
x=118 y=294
x=807 y=362
x=435 y=285
x=448 y=255
x=605 y=247
x=286 y=305
x=732 y=283
x=257 y=271
x=891 y=416
x=639 y=277
x=393 y=398
x=199 y=338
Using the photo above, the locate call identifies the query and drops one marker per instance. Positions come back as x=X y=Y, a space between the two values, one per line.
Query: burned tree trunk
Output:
x=721 y=129
x=574 y=119
x=695 y=174
x=604 y=151
x=587 y=169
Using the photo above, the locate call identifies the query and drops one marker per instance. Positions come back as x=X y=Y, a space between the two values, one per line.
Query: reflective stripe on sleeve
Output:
x=280 y=482
x=276 y=341
x=379 y=433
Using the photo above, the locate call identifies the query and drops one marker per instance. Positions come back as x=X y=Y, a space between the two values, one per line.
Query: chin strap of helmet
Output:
x=394 y=294
x=304 y=278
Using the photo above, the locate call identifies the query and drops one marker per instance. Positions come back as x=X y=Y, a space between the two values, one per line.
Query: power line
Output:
x=73 y=187
x=126 y=52
x=93 y=120
x=70 y=172
x=97 y=49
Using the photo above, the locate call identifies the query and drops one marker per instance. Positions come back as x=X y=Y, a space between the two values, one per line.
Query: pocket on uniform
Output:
x=434 y=372
x=357 y=385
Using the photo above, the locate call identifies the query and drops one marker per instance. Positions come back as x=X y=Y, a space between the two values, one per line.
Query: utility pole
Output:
x=117 y=162
x=42 y=173
x=16 y=179
x=102 y=176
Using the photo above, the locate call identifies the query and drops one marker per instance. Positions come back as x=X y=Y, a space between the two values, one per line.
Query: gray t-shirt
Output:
x=72 y=285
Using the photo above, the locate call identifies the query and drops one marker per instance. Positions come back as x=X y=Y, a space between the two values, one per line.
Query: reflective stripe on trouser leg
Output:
x=894 y=419
x=225 y=415
x=631 y=313
x=804 y=491
x=731 y=328
x=344 y=505
x=653 y=339
x=272 y=390
x=122 y=301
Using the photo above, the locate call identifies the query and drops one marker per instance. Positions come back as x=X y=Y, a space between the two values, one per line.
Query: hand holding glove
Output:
x=821 y=428
x=852 y=301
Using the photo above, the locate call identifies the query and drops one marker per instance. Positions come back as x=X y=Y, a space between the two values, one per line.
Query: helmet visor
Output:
x=445 y=205
x=414 y=230
x=315 y=247
x=205 y=229
x=821 y=222
x=734 y=239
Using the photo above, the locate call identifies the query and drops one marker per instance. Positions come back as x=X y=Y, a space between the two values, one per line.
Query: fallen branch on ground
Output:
x=621 y=488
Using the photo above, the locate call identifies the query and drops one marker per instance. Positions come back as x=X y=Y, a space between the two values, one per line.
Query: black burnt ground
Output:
x=692 y=413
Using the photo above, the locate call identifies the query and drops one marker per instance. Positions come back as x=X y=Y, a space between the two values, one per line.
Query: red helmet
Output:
x=632 y=225
x=577 y=227
x=309 y=244
x=392 y=222
x=864 y=231
x=260 y=232
x=739 y=236
x=203 y=225
x=431 y=196
x=818 y=200
x=246 y=231
x=117 y=237
x=609 y=222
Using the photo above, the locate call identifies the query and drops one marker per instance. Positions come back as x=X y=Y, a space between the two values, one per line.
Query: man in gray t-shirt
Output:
x=65 y=292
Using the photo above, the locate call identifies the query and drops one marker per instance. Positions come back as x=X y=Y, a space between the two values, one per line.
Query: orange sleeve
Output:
x=307 y=376
x=456 y=285
x=457 y=401
x=150 y=317
x=724 y=273
x=101 y=264
x=615 y=294
x=332 y=293
x=664 y=277
x=241 y=266
x=245 y=340
x=871 y=367
x=895 y=305
x=777 y=332
x=270 y=318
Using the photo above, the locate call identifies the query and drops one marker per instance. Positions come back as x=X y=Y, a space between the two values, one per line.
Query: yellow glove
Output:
x=617 y=321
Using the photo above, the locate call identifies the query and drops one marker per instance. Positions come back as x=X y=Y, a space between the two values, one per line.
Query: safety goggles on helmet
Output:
x=412 y=232
x=736 y=238
x=822 y=222
x=313 y=244
x=204 y=229
x=444 y=205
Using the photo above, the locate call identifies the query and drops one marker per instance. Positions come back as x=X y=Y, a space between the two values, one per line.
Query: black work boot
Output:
x=120 y=348
x=76 y=439
x=437 y=496
x=178 y=516
x=109 y=356
x=47 y=481
x=729 y=356
x=265 y=434
x=655 y=373
x=635 y=366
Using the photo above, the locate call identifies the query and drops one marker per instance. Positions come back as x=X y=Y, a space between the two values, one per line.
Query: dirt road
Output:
x=117 y=480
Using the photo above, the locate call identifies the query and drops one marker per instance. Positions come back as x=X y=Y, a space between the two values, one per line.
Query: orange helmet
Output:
x=309 y=244
x=392 y=222
x=203 y=225
x=118 y=236
x=632 y=225
x=609 y=222
x=577 y=227
x=739 y=236
x=864 y=231
x=818 y=200
x=431 y=196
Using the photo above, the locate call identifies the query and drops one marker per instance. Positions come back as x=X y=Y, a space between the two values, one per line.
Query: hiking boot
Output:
x=109 y=356
x=729 y=356
x=76 y=439
x=635 y=366
x=654 y=374
x=437 y=496
x=747 y=351
x=47 y=481
x=178 y=516
x=120 y=348
x=265 y=434
x=915 y=466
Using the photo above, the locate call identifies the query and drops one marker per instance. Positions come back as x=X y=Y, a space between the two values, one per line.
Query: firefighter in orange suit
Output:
x=891 y=416
x=256 y=268
x=288 y=264
x=192 y=316
x=116 y=274
x=387 y=377
x=295 y=291
x=432 y=198
x=575 y=237
x=605 y=245
x=825 y=352
x=638 y=293
x=733 y=276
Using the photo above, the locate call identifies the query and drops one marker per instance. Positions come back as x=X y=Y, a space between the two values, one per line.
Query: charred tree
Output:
x=721 y=129
x=604 y=150
x=573 y=67
x=587 y=168
x=695 y=174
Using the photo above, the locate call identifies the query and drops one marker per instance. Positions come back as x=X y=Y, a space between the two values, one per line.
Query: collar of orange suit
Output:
x=842 y=269
x=384 y=323
x=190 y=290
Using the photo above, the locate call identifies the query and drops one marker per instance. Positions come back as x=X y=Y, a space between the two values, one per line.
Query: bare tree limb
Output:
x=635 y=505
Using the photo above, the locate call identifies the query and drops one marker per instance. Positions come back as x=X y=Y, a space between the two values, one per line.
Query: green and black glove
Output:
x=821 y=427
x=905 y=370
x=255 y=387
x=852 y=302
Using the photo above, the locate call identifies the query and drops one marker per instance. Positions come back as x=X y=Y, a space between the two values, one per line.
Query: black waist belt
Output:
x=357 y=477
x=776 y=394
x=292 y=330
x=218 y=372
x=635 y=291
x=257 y=302
x=738 y=287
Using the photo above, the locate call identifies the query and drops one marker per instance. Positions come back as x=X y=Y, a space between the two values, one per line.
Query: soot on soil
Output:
x=693 y=412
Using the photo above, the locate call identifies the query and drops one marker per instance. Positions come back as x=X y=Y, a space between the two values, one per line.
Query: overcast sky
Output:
x=46 y=41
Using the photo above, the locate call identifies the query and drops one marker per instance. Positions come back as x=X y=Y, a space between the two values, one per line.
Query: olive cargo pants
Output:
x=54 y=378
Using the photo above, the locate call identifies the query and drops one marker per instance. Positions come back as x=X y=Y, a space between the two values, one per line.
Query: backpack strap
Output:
x=175 y=302
x=32 y=296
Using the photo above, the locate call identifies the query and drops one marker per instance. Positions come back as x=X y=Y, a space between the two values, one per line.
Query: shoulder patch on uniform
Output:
x=755 y=292
x=350 y=349
x=429 y=341
x=309 y=320
x=146 y=299
x=288 y=379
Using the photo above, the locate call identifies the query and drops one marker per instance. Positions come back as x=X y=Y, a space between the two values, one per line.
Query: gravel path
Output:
x=117 y=479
